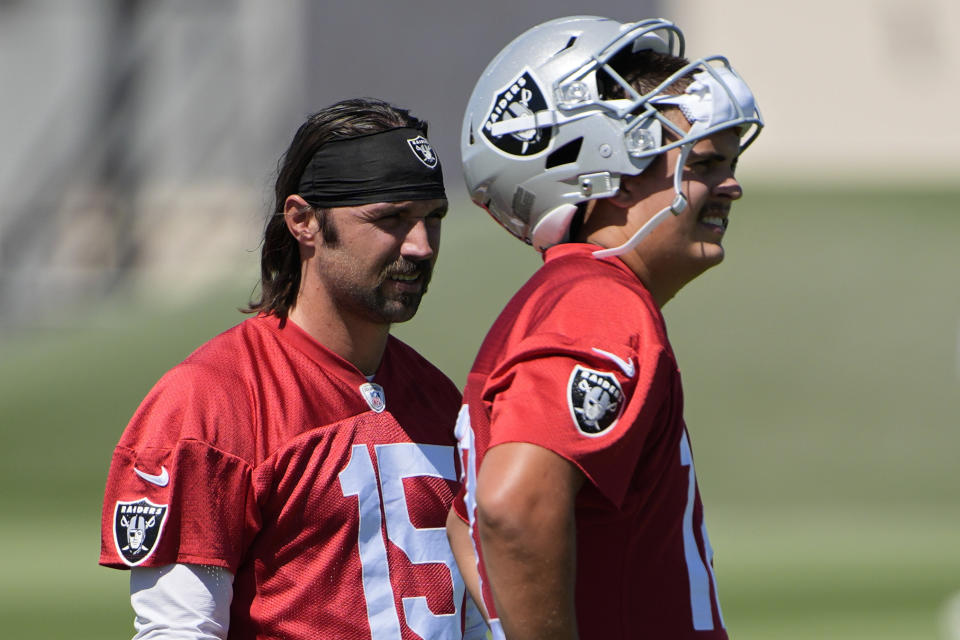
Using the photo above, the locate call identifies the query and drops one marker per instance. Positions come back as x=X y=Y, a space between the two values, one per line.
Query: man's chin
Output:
x=711 y=253
x=402 y=308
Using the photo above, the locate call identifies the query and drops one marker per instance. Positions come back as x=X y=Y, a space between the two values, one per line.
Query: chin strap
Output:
x=676 y=208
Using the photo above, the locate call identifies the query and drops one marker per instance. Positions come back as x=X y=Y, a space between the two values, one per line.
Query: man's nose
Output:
x=419 y=241
x=729 y=187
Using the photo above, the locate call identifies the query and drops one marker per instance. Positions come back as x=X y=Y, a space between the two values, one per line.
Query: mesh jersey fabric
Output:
x=329 y=514
x=644 y=563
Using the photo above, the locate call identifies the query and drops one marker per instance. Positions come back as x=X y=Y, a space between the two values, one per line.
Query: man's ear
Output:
x=301 y=220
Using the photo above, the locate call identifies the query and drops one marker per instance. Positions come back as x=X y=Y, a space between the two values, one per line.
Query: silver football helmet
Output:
x=544 y=132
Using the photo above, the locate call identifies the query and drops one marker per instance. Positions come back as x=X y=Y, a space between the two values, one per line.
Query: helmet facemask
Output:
x=717 y=99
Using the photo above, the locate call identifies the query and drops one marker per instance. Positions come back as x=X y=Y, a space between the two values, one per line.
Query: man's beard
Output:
x=399 y=306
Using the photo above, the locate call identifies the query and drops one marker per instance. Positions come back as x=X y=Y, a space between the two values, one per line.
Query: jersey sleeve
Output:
x=180 y=485
x=593 y=402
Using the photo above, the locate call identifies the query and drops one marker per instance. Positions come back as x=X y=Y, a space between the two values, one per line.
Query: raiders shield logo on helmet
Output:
x=424 y=152
x=136 y=529
x=373 y=394
x=595 y=400
x=522 y=97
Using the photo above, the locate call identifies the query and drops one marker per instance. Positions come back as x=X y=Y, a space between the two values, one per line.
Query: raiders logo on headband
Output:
x=522 y=97
x=595 y=400
x=136 y=529
x=424 y=152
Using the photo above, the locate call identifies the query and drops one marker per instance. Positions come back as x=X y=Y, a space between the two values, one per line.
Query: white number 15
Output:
x=395 y=462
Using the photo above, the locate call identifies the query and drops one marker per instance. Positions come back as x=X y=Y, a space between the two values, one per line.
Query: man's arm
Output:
x=525 y=506
x=181 y=601
x=458 y=533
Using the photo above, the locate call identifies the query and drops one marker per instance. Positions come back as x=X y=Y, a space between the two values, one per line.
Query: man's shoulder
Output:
x=429 y=400
x=249 y=339
x=582 y=288
x=573 y=268
x=573 y=302
x=220 y=362
x=405 y=358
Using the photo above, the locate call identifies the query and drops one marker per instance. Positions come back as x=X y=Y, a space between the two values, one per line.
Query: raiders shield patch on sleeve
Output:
x=136 y=529
x=595 y=400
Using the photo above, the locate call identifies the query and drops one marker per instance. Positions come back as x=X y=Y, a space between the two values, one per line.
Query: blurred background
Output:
x=821 y=361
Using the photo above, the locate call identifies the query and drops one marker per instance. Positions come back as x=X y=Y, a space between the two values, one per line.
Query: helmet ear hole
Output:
x=567 y=154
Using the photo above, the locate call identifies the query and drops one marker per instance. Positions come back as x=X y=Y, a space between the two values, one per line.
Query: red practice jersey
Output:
x=325 y=494
x=579 y=363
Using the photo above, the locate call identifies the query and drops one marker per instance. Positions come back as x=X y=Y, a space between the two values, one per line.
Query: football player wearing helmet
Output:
x=599 y=144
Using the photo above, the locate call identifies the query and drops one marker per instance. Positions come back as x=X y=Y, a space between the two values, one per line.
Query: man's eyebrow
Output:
x=714 y=156
x=390 y=208
x=381 y=208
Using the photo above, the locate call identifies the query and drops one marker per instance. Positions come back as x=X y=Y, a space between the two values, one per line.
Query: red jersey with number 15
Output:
x=579 y=363
x=325 y=494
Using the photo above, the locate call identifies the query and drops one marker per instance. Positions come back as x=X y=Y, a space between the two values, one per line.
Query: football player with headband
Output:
x=291 y=478
x=611 y=153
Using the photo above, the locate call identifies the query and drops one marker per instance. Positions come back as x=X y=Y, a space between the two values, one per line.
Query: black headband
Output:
x=387 y=166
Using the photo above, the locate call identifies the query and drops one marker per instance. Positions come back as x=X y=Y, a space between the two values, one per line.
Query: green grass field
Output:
x=822 y=373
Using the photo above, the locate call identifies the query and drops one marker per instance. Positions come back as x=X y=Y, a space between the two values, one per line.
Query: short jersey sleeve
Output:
x=591 y=401
x=180 y=489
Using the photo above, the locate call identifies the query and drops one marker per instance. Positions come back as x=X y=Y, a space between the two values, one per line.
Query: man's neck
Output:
x=662 y=289
x=356 y=340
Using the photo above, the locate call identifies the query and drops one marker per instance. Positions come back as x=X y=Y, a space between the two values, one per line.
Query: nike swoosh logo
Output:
x=625 y=365
x=159 y=480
